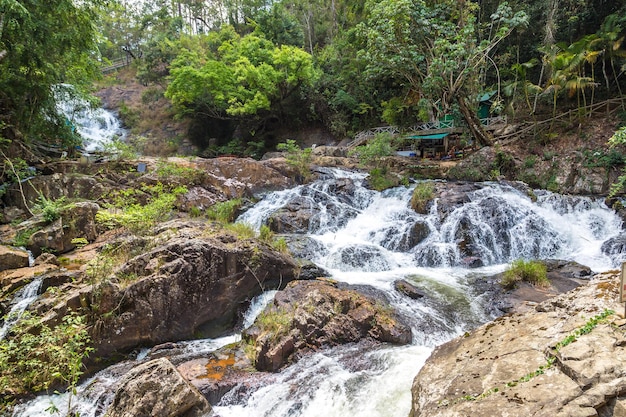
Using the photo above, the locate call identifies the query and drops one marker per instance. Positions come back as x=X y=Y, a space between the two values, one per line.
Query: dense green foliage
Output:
x=244 y=72
x=43 y=44
x=38 y=356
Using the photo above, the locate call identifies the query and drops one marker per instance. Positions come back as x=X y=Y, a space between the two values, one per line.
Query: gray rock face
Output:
x=191 y=285
x=156 y=388
x=500 y=364
x=77 y=221
x=310 y=314
x=12 y=258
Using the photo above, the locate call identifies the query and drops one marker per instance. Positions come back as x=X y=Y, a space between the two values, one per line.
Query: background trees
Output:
x=42 y=45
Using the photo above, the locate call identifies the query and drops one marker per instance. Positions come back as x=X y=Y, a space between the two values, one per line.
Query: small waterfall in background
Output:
x=23 y=298
x=364 y=237
x=97 y=126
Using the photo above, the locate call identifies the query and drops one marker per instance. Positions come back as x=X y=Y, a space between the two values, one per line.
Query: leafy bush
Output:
x=38 y=356
x=534 y=272
x=50 y=209
x=225 y=212
x=379 y=179
x=423 y=193
x=375 y=150
x=298 y=158
x=140 y=218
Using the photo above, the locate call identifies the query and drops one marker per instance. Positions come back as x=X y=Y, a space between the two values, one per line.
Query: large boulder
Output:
x=12 y=258
x=156 y=388
x=76 y=221
x=190 y=285
x=242 y=177
x=310 y=314
x=55 y=186
x=530 y=364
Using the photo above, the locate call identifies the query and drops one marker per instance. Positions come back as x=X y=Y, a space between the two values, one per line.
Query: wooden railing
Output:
x=366 y=135
x=116 y=64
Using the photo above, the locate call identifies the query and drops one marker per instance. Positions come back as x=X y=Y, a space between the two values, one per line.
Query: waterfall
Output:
x=23 y=298
x=363 y=237
x=96 y=125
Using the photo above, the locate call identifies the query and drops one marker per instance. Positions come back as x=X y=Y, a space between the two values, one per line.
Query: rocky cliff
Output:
x=567 y=357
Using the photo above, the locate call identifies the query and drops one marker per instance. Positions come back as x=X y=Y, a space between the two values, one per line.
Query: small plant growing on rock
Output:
x=298 y=158
x=423 y=193
x=224 y=212
x=533 y=272
x=50 y=209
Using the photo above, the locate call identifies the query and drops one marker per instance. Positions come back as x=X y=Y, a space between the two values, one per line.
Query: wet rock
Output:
x=310 y=314
x=156 y=388
x=367 y=258
x=399 y=240
x=304 y=247
x=295 y=217
x=227 y=370
x=558 y=268
x=587 y=378
x=12 y=258
x=453 y=195
x=408 y=289
x=192 y=284
x=308 y=271
x=331 y=206
x=615 y=247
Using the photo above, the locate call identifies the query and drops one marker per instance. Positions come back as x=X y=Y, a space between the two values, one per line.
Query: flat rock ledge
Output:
x=500 y=369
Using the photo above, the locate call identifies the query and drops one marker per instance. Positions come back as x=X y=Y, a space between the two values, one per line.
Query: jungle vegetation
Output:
x=240 y=70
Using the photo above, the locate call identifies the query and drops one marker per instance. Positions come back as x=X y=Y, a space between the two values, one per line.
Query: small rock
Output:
x=408 y=289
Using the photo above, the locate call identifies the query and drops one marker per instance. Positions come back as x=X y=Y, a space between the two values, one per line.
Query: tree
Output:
x=436 y=49
x=245 y=79
x=43 y=44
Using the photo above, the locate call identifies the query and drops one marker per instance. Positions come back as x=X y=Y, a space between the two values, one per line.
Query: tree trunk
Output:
x=475 y=127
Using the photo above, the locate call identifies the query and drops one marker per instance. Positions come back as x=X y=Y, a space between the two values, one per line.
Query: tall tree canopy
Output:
x=436 y=48
x=43 y=44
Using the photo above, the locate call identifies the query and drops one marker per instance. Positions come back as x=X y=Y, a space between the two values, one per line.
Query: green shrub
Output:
x=22 y=237
x=530 y=161
x=265 y=234
x=140 y=218
x=172 y=172
x=380 y=179
x=280 y=245
x=298 y=158
x=225 y=212
x=533 y=272
x=49 y=209
x=422 y=195
x=38 y=356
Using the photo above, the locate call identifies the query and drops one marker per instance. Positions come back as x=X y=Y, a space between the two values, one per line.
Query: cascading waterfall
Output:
x=363 y=237
x=97 y=126
x=23 y=298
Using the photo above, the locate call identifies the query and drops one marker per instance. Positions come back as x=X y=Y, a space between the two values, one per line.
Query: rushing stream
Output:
x=364 y=237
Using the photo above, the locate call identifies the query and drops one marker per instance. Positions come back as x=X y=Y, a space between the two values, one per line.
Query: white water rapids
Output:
x=96 y=125
x=364 y=237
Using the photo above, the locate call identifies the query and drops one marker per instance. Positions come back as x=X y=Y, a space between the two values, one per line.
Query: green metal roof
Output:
x=435 y=136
